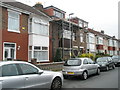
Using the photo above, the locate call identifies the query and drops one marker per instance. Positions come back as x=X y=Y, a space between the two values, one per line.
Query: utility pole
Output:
x=70 y=34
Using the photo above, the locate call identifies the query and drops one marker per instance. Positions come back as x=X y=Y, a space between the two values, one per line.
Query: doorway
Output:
x=9 y=51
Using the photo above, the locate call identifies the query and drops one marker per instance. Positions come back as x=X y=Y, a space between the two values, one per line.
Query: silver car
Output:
x=80 y=67
x=19 y=74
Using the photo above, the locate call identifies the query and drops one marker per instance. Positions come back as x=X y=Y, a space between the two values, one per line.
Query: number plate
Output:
x=70 y=72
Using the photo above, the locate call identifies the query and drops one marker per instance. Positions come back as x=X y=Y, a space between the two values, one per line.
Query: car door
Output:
x=110 y=61
x=86 y=65
x=10 y=77
x=91 y=66
x=33 y=79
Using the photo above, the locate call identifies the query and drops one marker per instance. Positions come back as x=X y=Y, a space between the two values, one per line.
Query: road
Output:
x=107 y=79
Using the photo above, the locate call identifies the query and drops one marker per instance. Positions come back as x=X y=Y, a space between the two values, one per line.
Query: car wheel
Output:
x=65 y=76
x=56 y=84
x=98 y=71
x=84 y=75
x=113 y=66
x=107 y=68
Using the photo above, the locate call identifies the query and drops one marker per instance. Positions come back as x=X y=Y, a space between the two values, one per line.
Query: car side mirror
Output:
x=40 y=72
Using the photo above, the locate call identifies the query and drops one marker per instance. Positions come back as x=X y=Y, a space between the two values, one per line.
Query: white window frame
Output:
x=18 y=31
x=40 y=50
x=4 y=49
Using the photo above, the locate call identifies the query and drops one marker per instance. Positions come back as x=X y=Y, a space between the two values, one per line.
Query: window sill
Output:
x=13 y=31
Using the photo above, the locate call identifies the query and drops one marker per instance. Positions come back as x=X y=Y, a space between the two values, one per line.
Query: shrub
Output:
x=89 y=55
x=57 y=57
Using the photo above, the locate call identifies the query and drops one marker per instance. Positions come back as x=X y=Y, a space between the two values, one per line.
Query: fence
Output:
x=55 y=66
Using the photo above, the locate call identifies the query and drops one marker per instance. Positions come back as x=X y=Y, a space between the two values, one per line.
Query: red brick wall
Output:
x=50 y=43
x=75 y=20
x=110 y=48
x=21 y=39
x=1 y=34
x=99 y=47
x=49 y=11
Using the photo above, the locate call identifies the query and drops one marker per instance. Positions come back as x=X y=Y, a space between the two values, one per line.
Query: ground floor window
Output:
x=111 y=52
x=39 y=52
x=9 y=51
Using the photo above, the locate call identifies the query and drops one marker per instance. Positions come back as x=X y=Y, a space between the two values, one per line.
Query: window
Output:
x=67 y=34
x=90 y=61
x=100 y=40
x=41 y=29
x=91 y=38
x=110 y=42
x=9 y=70
x=81 y=37
x=13 y=21
x=41 y=55
x=58 y=14
x=80 y=23
x=28 y=69
x=85 y=61
x=44 y=48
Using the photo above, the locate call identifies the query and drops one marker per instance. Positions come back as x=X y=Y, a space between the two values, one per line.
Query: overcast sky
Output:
x=101 y=14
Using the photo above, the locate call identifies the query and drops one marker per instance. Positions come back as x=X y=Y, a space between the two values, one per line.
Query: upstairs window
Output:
x=58 y=14
x=13 y=21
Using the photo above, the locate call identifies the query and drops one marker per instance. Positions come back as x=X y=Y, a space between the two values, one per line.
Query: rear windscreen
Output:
x=73 y=62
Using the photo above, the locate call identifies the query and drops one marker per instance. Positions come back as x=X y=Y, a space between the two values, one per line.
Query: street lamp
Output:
x=71 y=32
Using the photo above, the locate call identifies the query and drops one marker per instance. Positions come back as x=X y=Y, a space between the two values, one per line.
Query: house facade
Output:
x=14 y=33
x=25 y=33
x=39 y=38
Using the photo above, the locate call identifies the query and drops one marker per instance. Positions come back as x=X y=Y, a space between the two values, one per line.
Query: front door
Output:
x=9 y=51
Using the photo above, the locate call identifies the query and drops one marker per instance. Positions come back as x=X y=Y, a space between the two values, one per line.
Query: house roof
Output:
x=27 y=8
x=99 y=33
x=55 y=8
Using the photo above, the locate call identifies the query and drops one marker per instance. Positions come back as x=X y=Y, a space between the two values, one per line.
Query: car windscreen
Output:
x=103 y=59
x=73 y=62
x=116 y=57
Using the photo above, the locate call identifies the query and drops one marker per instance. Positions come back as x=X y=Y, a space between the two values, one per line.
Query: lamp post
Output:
x=70 y=33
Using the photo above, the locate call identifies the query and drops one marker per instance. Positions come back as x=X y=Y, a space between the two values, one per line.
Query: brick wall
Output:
x=21 y=39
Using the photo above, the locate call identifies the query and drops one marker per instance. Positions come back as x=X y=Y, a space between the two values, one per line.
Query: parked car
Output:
x=82 y=67
x=19 y=74
x=105 y=63
x=116 y=59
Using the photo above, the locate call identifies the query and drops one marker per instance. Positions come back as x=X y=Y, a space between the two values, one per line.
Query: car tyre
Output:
x=107 y=68
x=84 y=75
x=56 y=84
x=113 y=66
x=98 y=71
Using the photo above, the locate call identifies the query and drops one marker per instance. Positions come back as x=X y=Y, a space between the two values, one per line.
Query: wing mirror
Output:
x=40 y=72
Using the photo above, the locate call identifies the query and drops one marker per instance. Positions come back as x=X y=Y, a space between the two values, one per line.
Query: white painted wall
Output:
x=38 y=40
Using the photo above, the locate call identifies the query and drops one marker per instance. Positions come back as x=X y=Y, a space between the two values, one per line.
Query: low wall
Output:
x=55 y=66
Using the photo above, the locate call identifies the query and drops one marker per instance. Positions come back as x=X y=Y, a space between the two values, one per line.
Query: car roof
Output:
x=105 y=57
x=12 y=62
x=79 y=58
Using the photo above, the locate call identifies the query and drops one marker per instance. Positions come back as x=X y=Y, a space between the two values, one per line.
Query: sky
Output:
x=101 y=14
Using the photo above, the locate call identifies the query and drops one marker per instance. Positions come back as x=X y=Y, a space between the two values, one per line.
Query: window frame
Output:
x=10 y=30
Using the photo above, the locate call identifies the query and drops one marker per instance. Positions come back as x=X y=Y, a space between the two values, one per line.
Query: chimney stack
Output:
x=39 y=6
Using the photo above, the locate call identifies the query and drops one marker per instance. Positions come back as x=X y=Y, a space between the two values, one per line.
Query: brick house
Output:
x=27 y=31
x=14 y=33
x=65 y=35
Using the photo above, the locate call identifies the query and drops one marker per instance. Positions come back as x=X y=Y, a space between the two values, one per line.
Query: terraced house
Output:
x=13 y=33
x=65 y=34
x=37 y=33
x=25 y=33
